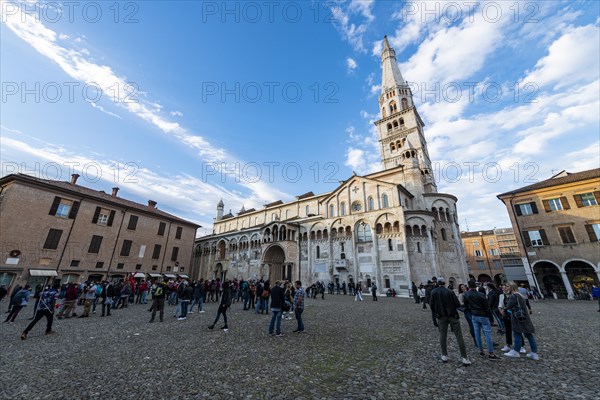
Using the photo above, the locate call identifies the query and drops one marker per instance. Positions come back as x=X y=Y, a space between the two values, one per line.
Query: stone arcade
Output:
x=390 y=227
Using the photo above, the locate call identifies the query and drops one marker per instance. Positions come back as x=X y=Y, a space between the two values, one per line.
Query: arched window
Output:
x=418 y=247
x=342 y=208
x=395 y=124
x=390 y=245
x=396 y=227
x=387 y=228
x=389 y=127
x=318 y=252
x=371 y=204
x=331 y=211
x=343 y=256
x=393 y=107
x=401 y=121
x=378 y=229
x=404 y=103
x=364 y=232
x=307 y=210
x=384 y=201
x=386 y=279
x=392 y=146
x=408 y=229
x=287 y=214
x=444 y=234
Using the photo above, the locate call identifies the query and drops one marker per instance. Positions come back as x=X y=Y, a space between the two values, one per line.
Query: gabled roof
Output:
x=275 y=203
x=305 y=195
x=343 y=183
x=100 y=196
x=561 y=178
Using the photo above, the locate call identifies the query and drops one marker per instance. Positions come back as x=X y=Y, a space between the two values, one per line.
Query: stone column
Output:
x=565 y=278
x=430 y=250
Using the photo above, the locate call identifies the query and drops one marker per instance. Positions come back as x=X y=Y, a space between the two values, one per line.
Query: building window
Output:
x=586 y=199
x=64 y=208
x=478 y=253
x=556 y=204
x=535 y=238
x=154 y=267
x=390 y=245
x=418 y=247
x=95 y=244
x=526 y=209
x=384 y=201
x=593 y=231
x=491 y=242
x=133 y=220
x=120 y=265
x=126 y=248
x=342 y=246
x=342 y=208
x=343 y=256
x=364 y=232
x=75 y=263
x=100 y=264
x=178 y=232
x=175 y=253
x=566 y=235
x=494 y=252
x=371 y=204
x=168 y=267
x=156 y=252
x=475 y=243
x=103 y=217
x=161 y=229
x=318 y=249
x=52 y=239
x=307 y=210
x=142 y=251
x=444 y=237
x=331 y=211
x=497 y=264
x=138 y=266
x=480 y=264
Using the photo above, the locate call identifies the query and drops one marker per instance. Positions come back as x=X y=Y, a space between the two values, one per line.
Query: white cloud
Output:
x=351 y=65
x=176 y=113
x=572 y=58
x=99 y=107
x=342 y=15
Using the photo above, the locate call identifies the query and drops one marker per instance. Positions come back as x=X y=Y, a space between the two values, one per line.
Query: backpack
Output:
x=98 y=290
x=158 y=291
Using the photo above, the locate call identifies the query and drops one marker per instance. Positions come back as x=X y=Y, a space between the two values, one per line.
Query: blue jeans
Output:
x=275 y=318
x=197 y=301
x=298 y=313
x=144 y=297
x=469 y=318
x=184 y=307
x=483 y=323
x=530 y=339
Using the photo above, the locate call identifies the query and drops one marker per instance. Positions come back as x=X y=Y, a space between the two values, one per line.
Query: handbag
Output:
x=286 y=306
x=520 y=314
x=265 y=294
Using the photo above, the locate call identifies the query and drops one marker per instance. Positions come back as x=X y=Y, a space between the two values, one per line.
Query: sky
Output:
x=190 y=102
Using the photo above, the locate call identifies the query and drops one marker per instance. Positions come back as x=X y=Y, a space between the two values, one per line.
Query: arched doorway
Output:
x=484 y=278
x=582 y=277
x=275 y=257
x=548 y=276
x=219 y=272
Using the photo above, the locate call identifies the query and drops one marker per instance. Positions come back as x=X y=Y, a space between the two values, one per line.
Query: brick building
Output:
x=69 y=232
x=557 y=222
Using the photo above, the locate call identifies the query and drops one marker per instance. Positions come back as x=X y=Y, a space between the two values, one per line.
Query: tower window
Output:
x=401 y=121
x=384 y=201
x=404 y=103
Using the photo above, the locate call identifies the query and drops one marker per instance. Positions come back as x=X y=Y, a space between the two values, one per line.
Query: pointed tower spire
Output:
x=391 y=76
x=220 y=207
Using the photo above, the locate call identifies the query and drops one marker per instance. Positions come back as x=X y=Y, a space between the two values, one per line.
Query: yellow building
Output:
x=557 y=222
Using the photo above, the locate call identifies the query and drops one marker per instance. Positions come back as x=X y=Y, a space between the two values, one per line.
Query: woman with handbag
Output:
x=223 y=306
x=520 y=319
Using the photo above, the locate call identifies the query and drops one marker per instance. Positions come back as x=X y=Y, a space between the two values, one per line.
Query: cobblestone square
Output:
x=387 y=349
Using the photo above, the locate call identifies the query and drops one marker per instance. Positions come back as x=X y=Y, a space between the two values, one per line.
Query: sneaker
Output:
x=279 y=335
x=190 y=312
x=505 y=348
x=181 y=318
x=211 y=326
x=493 y=357
x=522 y=351
x=444 y=359
x=512 y=354
x=533 y=356
x=466 y=361
x=201 y=311
x=481 y=353
x=224 y=327
x=23 y=336
x=296 y=330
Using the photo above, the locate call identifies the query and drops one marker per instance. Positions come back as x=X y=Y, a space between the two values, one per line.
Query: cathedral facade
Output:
x=390 y=227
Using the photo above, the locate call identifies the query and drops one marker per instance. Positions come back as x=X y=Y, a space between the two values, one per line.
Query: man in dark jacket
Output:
x=186 y=297
x=444 y=305
x=277 y=299
x=159 y=291
x=107 y=294
x=477 y=304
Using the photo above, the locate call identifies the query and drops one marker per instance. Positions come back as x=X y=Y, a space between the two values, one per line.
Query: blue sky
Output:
x=155 y=97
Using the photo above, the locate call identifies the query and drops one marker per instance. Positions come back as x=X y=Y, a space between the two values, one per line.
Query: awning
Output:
x=154 y=275
x=139 y=275
x=169 y=276
x=184 y=276
x=43 y=272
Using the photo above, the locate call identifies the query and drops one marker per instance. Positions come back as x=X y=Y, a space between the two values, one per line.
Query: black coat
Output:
x=477 y=303
x=277 y=297
x=444 y=302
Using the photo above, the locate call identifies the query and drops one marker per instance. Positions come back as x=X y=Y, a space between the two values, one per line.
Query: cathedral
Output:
x=390 y=227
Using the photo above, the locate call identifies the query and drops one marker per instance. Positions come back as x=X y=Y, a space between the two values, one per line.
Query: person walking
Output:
x=159 y=292
x=277 y=299
x=299 y=306
x=20 y=300
x=444 y=305
x=186 y=296
x=521 y=323
x=478 y=305
x=358 y=296
x=223 y=306
x=45 y=308
x=414 y=290
x=374 y=291
x=69 y=303
x=462 y=289
x=89 y=295
x=198 y=297
x=107 y=294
